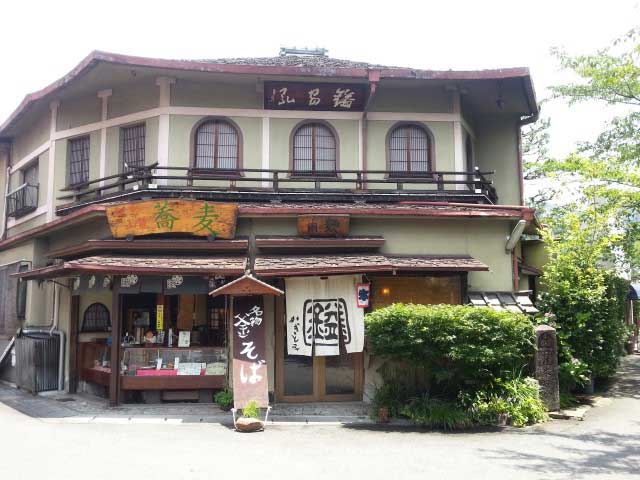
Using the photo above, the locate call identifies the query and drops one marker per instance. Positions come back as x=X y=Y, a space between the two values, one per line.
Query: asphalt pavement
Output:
x=605 y=445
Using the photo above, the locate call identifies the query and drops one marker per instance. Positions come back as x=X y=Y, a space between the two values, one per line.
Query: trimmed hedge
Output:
x=458 y=347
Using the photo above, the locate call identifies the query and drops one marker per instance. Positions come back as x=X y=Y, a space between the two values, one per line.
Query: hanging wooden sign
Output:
x=173 y=216
x=323 y=225
x=250 y=382
x=345 y=97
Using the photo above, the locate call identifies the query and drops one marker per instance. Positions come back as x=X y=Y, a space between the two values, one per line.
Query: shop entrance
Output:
x=316 y=379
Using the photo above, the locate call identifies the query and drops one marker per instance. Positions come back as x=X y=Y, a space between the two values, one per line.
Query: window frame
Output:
x=22 y=292
x=123 y=128
x=34 y=163
x=226 y=172
x=431 y=160
x=314 y=173
x=70 y=143
x=94 y=330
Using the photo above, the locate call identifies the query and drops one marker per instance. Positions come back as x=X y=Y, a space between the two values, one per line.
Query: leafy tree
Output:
x=608 y=168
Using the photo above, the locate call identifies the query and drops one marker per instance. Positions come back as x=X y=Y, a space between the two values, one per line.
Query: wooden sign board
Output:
x=173 y=216
x=250 y=381
x=340 y=97
x=323 y=225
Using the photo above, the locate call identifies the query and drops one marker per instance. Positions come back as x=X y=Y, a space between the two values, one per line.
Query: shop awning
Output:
x=295 y=265
x=513 y=301
x=142 y=265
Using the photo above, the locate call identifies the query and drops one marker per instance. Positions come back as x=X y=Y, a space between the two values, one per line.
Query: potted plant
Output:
x=249 y=421
x=224 y=399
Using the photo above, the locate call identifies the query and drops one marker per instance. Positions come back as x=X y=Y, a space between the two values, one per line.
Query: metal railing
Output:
x=473 y=185
x=22 y=200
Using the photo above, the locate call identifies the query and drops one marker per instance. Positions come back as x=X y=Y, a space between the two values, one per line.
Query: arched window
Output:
x=314 y=150
x=96 y=319
x=409 y=149
x=217 y=145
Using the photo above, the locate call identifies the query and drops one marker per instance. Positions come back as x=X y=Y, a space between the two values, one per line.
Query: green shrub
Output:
x=584 y=301
x=458 y=347
x=251 y=410
x=392 y=395
x=434 y=413
x=224 y=398
x=517 y=398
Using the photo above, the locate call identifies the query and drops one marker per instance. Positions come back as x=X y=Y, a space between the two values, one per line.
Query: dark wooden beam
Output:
x=116 y=334
x=147 y=246
x=290 y=242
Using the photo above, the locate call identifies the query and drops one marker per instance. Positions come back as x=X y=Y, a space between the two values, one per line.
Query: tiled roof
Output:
x=228 y=265
x=289 y=265
x=303 y=61
x=436 y=262
x=398 y=208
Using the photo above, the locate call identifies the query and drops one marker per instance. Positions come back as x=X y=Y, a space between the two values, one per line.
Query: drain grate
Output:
x=66 y=399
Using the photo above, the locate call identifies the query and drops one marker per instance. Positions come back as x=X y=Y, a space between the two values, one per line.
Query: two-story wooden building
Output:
x=134 y=187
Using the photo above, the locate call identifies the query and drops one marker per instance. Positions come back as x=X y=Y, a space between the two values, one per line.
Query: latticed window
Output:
x=133 y=147
x=409 y=151
x=96 y=319
x=217 y=146
x=314 y=150
x=30 y=174
x=79 y=160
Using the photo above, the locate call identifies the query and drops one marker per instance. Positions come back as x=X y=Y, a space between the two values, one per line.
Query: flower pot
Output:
x=383 y=415
x=244 y=424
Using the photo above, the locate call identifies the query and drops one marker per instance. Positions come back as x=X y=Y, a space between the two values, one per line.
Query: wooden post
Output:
x=73 y=343
x=116 y=334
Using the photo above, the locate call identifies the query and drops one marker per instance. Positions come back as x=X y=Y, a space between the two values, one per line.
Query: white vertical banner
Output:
x=322 y=313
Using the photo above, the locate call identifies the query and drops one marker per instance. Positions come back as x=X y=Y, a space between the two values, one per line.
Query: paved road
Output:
x=605 y=445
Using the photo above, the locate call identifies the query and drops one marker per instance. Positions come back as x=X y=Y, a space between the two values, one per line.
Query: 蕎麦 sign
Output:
x=173 y=216
x=344 y=97
x=250 y=382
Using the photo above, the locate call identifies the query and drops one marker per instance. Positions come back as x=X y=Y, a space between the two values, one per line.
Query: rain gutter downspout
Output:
x=374 y=78
x=5 y=219
x=532 y=118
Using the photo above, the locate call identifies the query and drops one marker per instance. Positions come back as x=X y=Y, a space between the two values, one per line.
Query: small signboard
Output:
x=323 y=225
x=250 y=381
x=344 y=97
x=159 y=317
x=173 y=216
x=363 y=295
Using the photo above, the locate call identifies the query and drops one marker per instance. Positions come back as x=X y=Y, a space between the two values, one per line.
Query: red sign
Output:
x=342 y=97
x=250 y=382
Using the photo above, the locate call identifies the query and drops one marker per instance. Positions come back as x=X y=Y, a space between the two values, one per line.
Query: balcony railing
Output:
x=268 y=184
x=22 y=200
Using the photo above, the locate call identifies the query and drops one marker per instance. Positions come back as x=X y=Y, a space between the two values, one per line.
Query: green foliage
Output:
x=518 y=399
x=392 y=395
x=224 y=398
x=567 y=401
x=251 y=410
x=456 y=346
x=434 y=413
x=585 y=300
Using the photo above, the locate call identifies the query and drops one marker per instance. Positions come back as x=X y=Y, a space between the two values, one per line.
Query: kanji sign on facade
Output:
x=250 y=382
x=346 y=97
x=323 y=225
x=173 y=216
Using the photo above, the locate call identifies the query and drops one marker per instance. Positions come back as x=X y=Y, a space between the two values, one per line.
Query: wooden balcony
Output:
x=22 y=201
x=250 y=184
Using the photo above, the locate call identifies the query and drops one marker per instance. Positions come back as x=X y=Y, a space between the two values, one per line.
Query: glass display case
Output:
x=163 y=368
